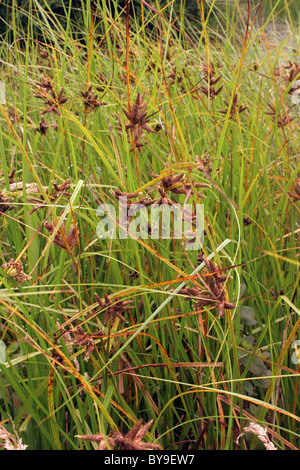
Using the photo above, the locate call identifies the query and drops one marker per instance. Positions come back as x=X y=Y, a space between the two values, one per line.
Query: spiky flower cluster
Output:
x=64 y=240
x=178 y=184
x=213 y=292
x=15 y=270
x=288 y=79
x=47 y=94
x=167 y=186
x=78 y=337
x=114 y=307
x=138 y=122
x=4 y=204
x=90 y=99
x=282 y=119
x=293 y=77
x=296 y=193
x=233 y=108
x=59 y=190
x=131 y=441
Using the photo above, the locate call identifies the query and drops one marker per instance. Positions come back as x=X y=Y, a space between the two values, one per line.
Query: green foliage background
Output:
x=60 y=8
x=196 y=375
x=191 y=8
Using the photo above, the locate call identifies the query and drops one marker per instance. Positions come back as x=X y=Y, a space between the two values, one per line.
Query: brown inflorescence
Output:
x=130 y=441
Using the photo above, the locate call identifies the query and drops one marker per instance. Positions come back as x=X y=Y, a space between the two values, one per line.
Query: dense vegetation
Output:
x=142 y=337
